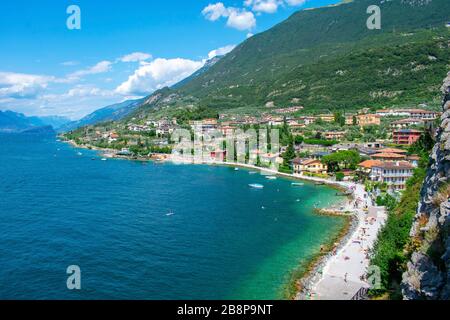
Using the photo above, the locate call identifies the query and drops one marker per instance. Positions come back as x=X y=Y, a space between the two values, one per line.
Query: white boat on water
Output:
x=79 y=153
x=256 y=186
x=271 y=178
x=236 y=169
x=104 y=159
x=297 y=184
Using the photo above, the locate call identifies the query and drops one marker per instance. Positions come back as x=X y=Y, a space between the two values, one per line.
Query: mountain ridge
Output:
x=250 y=74
x=14 y=122
x=109 y=113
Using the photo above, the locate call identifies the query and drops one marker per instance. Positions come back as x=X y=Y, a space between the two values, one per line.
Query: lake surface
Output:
x=224 y=240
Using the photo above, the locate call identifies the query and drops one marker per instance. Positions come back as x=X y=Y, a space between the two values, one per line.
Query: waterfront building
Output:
x=394 y=174
x=314 y=166
x=366 y=166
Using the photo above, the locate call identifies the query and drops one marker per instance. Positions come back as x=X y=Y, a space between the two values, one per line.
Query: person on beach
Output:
x=345 y=277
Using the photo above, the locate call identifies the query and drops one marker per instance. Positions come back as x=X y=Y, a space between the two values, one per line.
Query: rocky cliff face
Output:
x=428 y=271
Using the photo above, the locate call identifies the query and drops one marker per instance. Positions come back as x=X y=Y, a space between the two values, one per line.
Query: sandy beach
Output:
x=342 y=275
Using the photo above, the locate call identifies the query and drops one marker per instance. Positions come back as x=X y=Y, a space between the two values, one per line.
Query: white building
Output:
x=394 y=174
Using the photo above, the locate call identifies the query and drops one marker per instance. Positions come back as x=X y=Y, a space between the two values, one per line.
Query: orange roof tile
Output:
x=370 y=163
x=393 y=150
x=387 y=155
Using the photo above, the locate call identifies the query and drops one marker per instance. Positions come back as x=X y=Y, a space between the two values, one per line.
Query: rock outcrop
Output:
x=428 y=272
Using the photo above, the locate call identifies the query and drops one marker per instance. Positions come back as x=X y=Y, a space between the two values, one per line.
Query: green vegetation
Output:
x=340 y=176
x=320 y=142
x=346 y=159
x=185 y=115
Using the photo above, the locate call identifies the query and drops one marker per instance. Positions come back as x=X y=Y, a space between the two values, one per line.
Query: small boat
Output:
x=236 y=169
x=252 y=172
x=79 y=154
x=297 y=184
x=170 y=214
x=104 y=159
x=256 y=186
x=271 y=178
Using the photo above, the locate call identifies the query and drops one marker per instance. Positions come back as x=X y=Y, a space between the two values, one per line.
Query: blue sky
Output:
x=124 y=49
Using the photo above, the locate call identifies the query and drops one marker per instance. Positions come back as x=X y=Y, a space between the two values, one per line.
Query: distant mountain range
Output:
x=109 y=113
x=13 y=122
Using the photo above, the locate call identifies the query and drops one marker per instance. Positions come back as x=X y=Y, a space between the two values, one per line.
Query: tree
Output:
x=289 y=153
x=299 y=139
x=348 y=159
x=339 y=119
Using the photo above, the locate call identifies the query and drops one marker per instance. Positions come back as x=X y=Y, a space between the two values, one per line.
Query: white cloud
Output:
x=136 y=57
x=294 y=3
x=101 y=67
x=88 y=91
x=23 y=86
x=158 y=74
x=240 y=19
x=221 y=51
x=266 y=6
x=215 y=11
x=243 y=19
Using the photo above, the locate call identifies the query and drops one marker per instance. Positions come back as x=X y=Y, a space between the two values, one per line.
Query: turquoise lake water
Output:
x=224 y=241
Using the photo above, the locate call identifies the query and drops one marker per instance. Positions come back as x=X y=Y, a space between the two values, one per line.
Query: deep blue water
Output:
x=110 y=217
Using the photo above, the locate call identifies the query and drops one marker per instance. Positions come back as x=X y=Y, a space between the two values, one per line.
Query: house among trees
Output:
x=407 y=123
x=364 y=120
x=334 y=135
x=308 y=166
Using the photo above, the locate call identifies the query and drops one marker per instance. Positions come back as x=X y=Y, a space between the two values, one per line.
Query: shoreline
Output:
x=309 y=275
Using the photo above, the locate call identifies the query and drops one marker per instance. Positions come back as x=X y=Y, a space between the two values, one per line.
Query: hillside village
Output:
x=368 y=146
